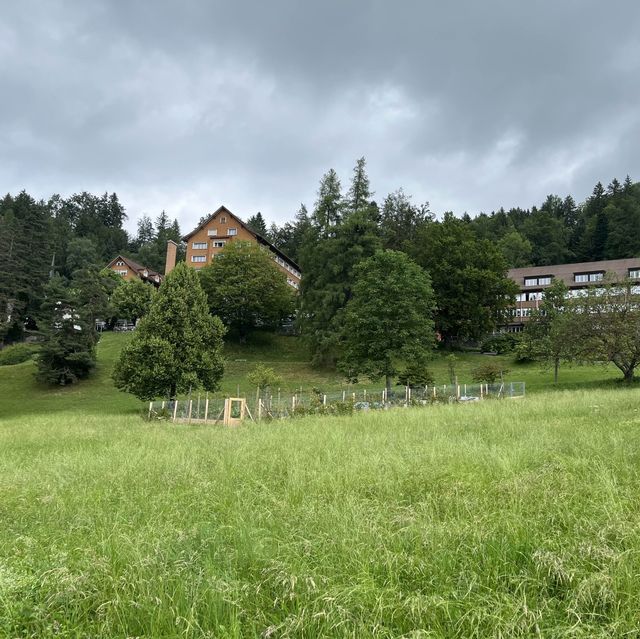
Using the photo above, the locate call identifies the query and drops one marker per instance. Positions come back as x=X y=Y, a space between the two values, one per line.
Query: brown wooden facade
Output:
x=222 y=227
x=533 y=280
x=131 y=270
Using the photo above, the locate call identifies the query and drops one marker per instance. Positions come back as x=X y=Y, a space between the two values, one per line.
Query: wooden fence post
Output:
x=189 y=417
x=175 y=409
x=150 y=407
x=206 y=409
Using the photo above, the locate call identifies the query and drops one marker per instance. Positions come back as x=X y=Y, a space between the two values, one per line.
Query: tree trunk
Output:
x=556 y=366
x=388 y=384
x=172 y=392
x=628 y=375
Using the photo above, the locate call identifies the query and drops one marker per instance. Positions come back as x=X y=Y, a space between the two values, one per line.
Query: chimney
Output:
x=172 y=250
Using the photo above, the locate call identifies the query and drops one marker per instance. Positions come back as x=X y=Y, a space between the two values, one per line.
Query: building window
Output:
x=233 y=231
x=123 y=273
x=218 y=244
x=588 y=277
x=543 y=280
x=223 y=220
x=119 y=263
x=199 y=245
x=198 y=258
x=634 y=273
x=212 y=232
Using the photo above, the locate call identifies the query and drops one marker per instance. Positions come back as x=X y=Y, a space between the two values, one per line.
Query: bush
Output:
x=416 y=375
x=488 y=373
x=16 y=354
x=264 y=377
x=501 y=343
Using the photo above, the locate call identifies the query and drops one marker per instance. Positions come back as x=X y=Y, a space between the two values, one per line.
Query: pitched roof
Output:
x=259 y=238
x=134 y=266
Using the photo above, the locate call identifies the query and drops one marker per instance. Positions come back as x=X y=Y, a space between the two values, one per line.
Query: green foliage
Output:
x=469 y=278
x=328 y=263
x=177 y=345
x=246 y=289
x=329 y=205
x=452 y=362
x=132 y=299
x=389 y=317
x=16 y=354
x=517 y=250
x=549 y=335
x=360 y=193
x=291 y=235
x=605 y=325
x=488 y=373
x=25 y=257
x=69 y=352
x=400 y=219
x=81 y=254
x=264 y=377
x=416 y=374
x=501 y=343
x=256 y=223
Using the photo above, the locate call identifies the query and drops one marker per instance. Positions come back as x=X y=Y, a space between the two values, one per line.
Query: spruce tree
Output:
x=329 y=205
x=328 y=264
x=69 y=351
x=360 y=193
x=177 y=346
x=257 y=224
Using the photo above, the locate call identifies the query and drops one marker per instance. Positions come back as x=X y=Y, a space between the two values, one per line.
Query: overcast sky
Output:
x=190 y=104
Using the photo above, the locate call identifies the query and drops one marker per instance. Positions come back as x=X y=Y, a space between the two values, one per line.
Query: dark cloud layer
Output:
x=184 y=105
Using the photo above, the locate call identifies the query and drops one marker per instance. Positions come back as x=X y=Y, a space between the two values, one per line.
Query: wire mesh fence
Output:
x=267 y=405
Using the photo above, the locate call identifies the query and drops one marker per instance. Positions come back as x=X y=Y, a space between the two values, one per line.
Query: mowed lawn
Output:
x=513 y=518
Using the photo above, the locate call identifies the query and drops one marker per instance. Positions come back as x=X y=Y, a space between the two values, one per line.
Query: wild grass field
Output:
x=513 y=518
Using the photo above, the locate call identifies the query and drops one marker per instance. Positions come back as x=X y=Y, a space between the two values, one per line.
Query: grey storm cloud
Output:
x=185 y=105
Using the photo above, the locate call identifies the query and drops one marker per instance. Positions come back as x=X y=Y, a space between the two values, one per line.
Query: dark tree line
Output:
x=61 y=236
x=605 y=226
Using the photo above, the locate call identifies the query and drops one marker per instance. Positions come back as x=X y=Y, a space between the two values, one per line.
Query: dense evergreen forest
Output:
x=40 y=239
x=559 y=231
x=465 y=257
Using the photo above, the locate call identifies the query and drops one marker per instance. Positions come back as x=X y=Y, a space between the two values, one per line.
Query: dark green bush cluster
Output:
x=488 y=373
x=16 y=354
x=501 y=343
x=416 y=374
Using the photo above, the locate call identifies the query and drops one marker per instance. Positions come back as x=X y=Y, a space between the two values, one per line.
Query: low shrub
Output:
x=16 y=354
x=501 y=343
x=488 y=373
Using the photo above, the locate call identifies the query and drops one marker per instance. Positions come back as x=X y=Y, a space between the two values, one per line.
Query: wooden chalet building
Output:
x=130 y=270
x=533 y=280
x=208 y=240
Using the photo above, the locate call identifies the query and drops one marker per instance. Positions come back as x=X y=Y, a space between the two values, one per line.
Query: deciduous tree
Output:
x=246 y=289
x=389 y=319
x=131 y=300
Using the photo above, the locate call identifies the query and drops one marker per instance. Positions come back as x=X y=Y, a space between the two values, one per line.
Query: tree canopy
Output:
x=177 y=345
x=246 y=289
x=389 y=318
